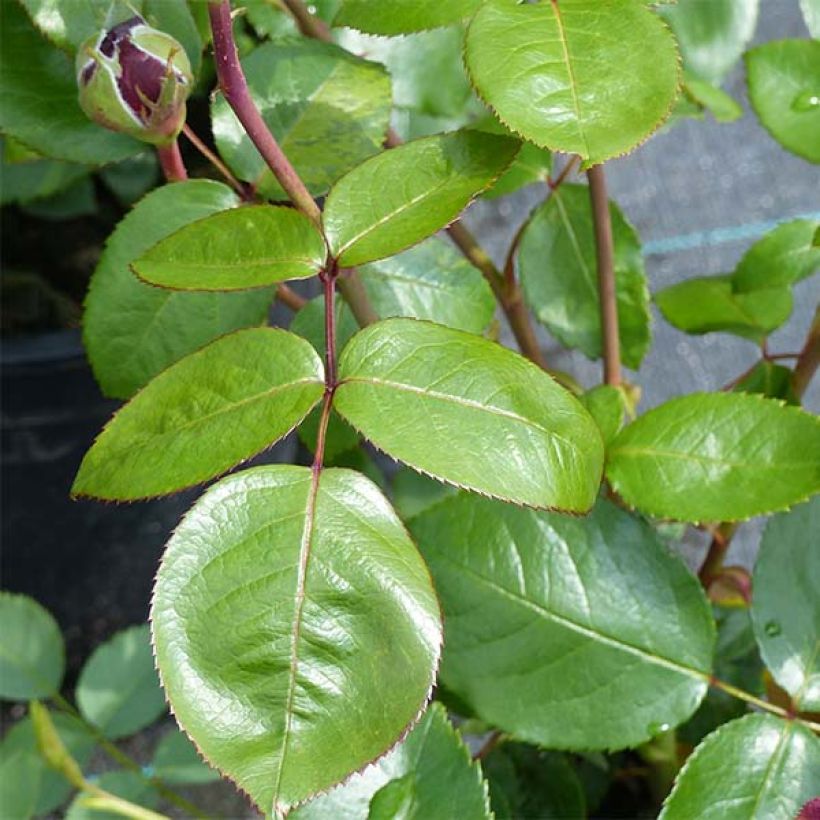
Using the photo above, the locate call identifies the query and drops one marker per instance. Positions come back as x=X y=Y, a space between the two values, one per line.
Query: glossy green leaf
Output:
x=132 y=331
x=716 y=457
x=430 y=281
x=176 y=760
x=721 y=105
x=38 y=99
x=558 y=269
x=328 y=110
x=531 y=164
x=774 y=381
x=431 y=765
x=526 y=782
x=32 y=654
x=782 y=257
x=118 y=690
x=28 y=785
x=606 y=404
x=132 y=178
x=130 y=786
x=236 y=249
x=785 y=605
x=413 y=492
x=784 y=88
x=756 y=768
x=205 y=414
x=296 y=629
x=602 y=635
x=470 y=412
x=709 y=303
x=811 y=14
x=37 y=179
x=432 y=181
x=402 y=16
x=584 y=77
x=712 y=35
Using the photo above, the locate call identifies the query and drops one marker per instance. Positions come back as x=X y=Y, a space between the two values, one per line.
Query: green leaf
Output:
x=529 y=782
x=782 y=257
x=32 y=654
x=716 y=457
x=721 y=105
x=758 y=767
x=328 y=110
x=37 y=179
x=558 y=269
x=366 y=220
x=584 y=78
x=240 y=248
x=68 y=23
x=118 y=690
x=607 y=406
x=38 y=99
x=712 y=35
x=177 y=20
x=298 y=639
x=130 y=786
x=602 y=635
x=430 y=281
x=470 y=412
x=28 y=785
x=402 y=16
x=709 y=304
x=771 y=380
x=431 y=764
x=531 y=164
x=205 y=414
x=811 y=14
x=132 y=178
x=785 y=605
x=176 y=760
x=785 y=93
x=132 y=331
x=413 y=493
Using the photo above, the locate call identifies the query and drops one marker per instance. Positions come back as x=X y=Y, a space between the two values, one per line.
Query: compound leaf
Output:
x=785 y=605
x=605 y=638
x=296 y=629
x=470 y=412
x=581 y=77
x=131 y=330
x=210 y=411
x=235 y=249
x=431 y=181
x=774 y=765
x=717 y=457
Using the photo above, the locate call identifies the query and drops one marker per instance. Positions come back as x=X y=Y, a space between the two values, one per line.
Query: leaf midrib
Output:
x=763 y=464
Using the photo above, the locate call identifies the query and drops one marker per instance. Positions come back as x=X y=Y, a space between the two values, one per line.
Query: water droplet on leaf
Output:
x=806 y=101
x=772 y=629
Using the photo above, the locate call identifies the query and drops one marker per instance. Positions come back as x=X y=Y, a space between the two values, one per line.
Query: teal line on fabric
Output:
x=717 y=236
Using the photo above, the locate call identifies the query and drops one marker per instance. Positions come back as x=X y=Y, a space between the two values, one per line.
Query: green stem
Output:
x=115 y=753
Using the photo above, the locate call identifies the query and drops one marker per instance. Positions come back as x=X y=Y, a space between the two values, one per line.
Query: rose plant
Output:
x=519 y=572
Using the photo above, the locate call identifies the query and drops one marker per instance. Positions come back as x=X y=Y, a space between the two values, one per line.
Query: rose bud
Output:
x=135 y=79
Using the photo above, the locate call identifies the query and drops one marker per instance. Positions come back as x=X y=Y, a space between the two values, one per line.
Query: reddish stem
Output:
x=170 y=159
x=328 y=278
x=235 y=88
x=216 y=162
x=606 y=274
x=809 y=359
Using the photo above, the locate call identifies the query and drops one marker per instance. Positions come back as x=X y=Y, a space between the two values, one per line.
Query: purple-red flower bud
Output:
x=135 y=79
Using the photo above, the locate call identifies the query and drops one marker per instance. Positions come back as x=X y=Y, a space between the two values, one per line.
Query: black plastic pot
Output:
x=91 y=564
